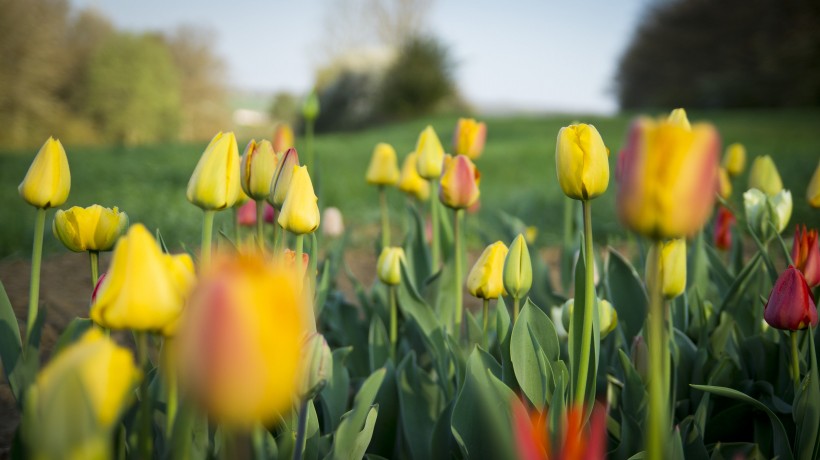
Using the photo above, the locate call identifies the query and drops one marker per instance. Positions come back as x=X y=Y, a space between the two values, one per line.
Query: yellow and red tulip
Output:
x=283 y=138
x=257 y=169
x=459 y=182
x=469 y=138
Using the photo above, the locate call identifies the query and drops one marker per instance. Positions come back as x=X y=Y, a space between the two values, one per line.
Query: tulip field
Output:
x=533 y=287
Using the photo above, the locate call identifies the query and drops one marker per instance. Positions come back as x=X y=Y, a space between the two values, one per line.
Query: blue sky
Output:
x=539 y=55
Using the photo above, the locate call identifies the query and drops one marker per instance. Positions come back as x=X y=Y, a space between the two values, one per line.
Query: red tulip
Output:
x=532 y=434
x=724 y=222
x=806 y=254
x=790 y=305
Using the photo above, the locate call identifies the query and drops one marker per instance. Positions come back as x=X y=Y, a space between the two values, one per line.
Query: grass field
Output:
x=518 y=174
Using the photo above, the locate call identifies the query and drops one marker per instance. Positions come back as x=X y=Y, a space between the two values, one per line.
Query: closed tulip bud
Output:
x=486 y=278
x=332 y=222
x=410 y=182
x=531 y=233
x=782 y=205
x=283 y=138
x=310 y=107
x=678 y=117
x=724 y=222
x=639 y=355
x=607 y=316
x=806 y=255
x=48 y=179
x=77 y=399
x=430 y=154
x=144 y=290
x=725 y=190
x=94 y=228
x=734 y=160
x=389 y=264
x=241 y=340
x=384 y=168
x=257 y=168
x=281 y=178
x=469 y=138
x=761 y=210
x=764 y=176
x=214 y=184
x=518 y=269
x=582 y=162
x=667 y=178
x=317 y=365
x=300 y=212
x=813 y=191
x=790 y=306
x=459 y=183
x=672 y=268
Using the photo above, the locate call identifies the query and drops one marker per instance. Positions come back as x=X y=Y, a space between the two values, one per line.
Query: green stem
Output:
x=173 y=397
x=458 y=288
x=260 y=224
x=276 y=232
x=394 y=321
x=795 y=358
x=590 y=309
x=385 y=217
x=279 y=239
x=94 y=258
x=309 y=147
x=299 y=445
x=144 y=439
x=436 y=246
x=516 y=308
x=36 y=259
x=658 y=418
x=486 y=311
x=235 y=212
x=207 y=236
x=300 y=244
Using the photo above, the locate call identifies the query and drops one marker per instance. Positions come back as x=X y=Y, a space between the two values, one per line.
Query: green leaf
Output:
x=335 y=393
x=323 y=289
x=418 y=398
x=76 y=328
x=626 y=292
x=379 y=344
x=354 y=432
x=807 y=406
x=741 y=284
x=533 y=344
x=385 y=435
x=576 y=337
x=11 y=345
x=415 y=247
x=781 y=439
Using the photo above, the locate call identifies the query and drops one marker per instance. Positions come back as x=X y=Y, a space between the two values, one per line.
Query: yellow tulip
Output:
x=672 y=268
x=469 y=137
x=257 y=169
x=283 y=138
x=94 y=228
x=77 y=399
x=813 y=190
x=518 y=268
x=735 y=159
x=582 y=162
x=667 y=178
x=725 y=183
x=215 y=182
x=459 y=182
x=241 y=340
x=486 y=278
x=430 y=154
x=764 y=176
x=317 y=365
x=607 y=316
x=144 y=290
x=410 y=182
x=678 y=117
x=383 y=169
x=281 y=178
x=48 y=179
x=388 y=266
x=300 y=212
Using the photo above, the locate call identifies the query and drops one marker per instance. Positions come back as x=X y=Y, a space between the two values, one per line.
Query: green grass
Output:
x=518 y=174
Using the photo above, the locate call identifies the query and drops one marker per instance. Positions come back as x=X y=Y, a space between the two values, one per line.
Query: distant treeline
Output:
x=724 y=54
x=72 y=75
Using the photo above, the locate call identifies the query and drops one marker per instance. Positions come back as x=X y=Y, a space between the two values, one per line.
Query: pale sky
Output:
x=539 y=55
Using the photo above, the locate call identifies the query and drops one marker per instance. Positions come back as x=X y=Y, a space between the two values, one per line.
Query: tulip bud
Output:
x=725 y=190
x=607 y=316
x=671 y=270
x=678 y=117
x=310 y=107
x=383 y=169
x=582 y=162
x=459 y=183
x=806 y=255
x=790 y=305
x=518 y=269
x=639 y=355
x=663 y=167
x=317 y=365
x=388 y=266
x=409 y=180
x=333 y=224
x=486 y=278
x=281 y=178
x=469 y=138
x=813 y=191
x=283 y=138
x=781 y=203
x=77 y=399
x=734 y=160
x=430 y=154
x=48 y=179
x=144 y=289
x=764 y=176
x=241 y=340
x=94 y=228
x=724 y=222
x=257 y=168
x=300 y=212
x=214 y=184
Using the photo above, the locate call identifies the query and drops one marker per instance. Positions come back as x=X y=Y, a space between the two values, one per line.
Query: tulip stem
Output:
x=394 y=321
x=516 y=308
x=795 y=358
x=299 y=444
x=144 y=443
x=260 y=224
x=590 y=311
x=36 y=259
x=235 y=212
x=207 y=236
x=385 y=217
x=436 y=249
x=457 y=264
x=486 y=311
x=94 y=258
x=658 y=418
x=173 y=398
x=300 y=243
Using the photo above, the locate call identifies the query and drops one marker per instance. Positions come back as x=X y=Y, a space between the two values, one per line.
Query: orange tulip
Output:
x=459 y=182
